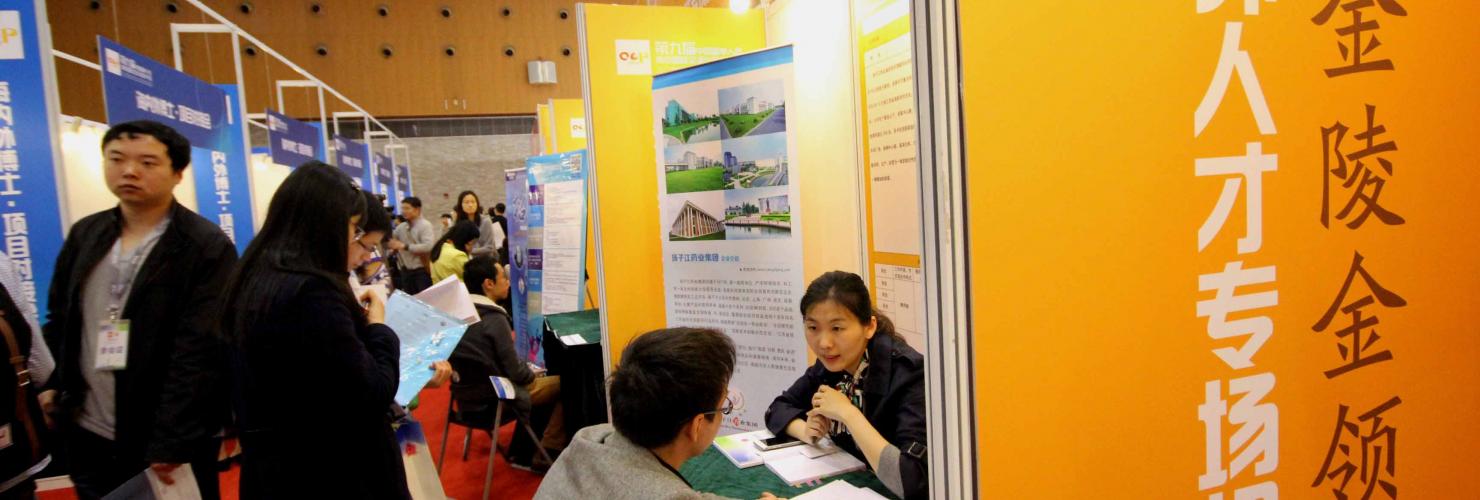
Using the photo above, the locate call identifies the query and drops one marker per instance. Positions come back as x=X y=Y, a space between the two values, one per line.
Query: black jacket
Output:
x=312 y=384
x=893 y=401
x=169 y=399
x=488 y=349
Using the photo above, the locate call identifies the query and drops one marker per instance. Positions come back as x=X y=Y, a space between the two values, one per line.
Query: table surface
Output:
x=713 y=473
x=586 y=323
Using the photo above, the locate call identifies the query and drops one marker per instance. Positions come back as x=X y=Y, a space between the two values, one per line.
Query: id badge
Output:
x=112 y=345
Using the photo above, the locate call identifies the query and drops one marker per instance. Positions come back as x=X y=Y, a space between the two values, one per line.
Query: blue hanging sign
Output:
x=29 y=206
x=353 y=158
x=292 y=142
x=384 y=175
x=138 y=88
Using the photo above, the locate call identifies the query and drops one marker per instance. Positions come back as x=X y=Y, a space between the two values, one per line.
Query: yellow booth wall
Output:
x=1085 y=204
x=620 y=132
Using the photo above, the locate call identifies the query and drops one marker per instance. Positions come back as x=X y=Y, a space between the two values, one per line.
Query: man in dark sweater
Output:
x=487 y=349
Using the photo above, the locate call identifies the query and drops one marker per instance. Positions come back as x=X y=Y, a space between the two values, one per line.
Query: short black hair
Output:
x=413 y=201
x=499 y=207
x=666 y=378
x=446 y=215
x=477 y=269
x=175 y=145
x=375 y=218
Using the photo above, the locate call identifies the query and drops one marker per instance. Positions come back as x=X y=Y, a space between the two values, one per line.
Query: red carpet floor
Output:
x=462 y=480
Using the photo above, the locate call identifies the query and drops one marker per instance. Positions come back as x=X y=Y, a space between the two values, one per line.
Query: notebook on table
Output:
x=798 y=468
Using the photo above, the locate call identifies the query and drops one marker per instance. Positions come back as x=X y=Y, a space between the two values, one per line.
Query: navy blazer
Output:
x=893 y=401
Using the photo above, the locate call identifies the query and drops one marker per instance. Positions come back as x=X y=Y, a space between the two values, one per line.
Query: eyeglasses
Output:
x=726 y=409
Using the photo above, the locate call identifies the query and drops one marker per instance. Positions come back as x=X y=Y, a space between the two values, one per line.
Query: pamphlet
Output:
x=740 y=448
x=451 y=296
x=427 y=334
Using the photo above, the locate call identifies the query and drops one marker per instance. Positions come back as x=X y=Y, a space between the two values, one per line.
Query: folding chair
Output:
x=506 y=396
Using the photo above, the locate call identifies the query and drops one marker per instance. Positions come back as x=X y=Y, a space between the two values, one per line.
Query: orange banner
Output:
x=1224 y=254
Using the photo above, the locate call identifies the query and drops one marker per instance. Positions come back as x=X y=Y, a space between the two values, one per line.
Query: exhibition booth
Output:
x=1084 y=276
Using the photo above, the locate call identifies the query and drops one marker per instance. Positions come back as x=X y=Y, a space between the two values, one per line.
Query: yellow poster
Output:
x=568 y=133
x=622 y=47
x=568 y=124
x=547 y=128
x=1224 y=249
x=887 y=128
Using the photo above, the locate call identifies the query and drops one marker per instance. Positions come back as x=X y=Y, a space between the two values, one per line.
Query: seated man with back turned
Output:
x=668 y=398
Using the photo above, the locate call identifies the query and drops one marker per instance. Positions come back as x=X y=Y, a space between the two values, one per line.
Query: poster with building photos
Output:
x=730 y=228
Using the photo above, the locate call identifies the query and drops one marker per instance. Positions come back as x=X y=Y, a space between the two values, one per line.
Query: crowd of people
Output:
x=158 y=341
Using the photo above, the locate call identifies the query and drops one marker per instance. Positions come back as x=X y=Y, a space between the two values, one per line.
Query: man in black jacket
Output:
x=131 y=318
x=488 y=349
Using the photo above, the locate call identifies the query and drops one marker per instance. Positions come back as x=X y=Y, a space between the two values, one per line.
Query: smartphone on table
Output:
x=777 y=442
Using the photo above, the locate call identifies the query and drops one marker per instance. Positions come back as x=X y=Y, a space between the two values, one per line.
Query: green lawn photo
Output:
x=683 y=131
x=690 y=181
x=720 y=235
x=739 y=125
x=777 y=217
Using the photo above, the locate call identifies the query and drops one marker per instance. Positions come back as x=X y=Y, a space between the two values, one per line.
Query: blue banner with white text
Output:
x=292 y=142
x=556 y=238
x=29 y=206
x=353 y=157
x=138 y=88
x=403 y=181
x=384 y=175
x=516 y=189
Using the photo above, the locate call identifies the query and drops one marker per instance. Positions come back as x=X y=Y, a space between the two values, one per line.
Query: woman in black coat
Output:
x=866 y=393
x=314 y=371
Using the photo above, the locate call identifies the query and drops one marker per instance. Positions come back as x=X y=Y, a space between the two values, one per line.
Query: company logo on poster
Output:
x=122 y=65
x=578 y=128
x=111 y=62
x=12 y=44
x=634 y=57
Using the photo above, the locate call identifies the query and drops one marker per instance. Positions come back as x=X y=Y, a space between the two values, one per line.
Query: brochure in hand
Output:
x=427 y=334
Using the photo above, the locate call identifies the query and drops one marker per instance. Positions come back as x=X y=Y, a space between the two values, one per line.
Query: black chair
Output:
x=505 y=390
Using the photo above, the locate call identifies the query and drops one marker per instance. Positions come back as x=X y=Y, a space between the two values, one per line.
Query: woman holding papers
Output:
x=451 y=251
x=314 y=368
x=367 y=269
x=866 y=393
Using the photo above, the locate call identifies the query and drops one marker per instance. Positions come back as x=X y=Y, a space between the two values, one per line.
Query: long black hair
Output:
x=459 y=234
x=304 y=234
x=848 y=290
x=459 y=215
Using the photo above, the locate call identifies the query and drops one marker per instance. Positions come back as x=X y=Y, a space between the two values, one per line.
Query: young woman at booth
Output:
x=866 y=393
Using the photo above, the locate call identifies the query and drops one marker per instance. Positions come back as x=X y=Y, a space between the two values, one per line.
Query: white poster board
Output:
x=731 y=224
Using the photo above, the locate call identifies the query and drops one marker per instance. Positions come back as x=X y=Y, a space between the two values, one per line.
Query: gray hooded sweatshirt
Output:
x=600 y=463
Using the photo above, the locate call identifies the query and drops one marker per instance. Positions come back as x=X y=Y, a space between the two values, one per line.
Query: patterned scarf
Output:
x=852 y=387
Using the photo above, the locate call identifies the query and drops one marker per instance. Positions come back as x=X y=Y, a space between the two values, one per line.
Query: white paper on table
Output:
x=184 y=488
x=839 y=490
x=573 y=339
x=799 y=469
x=451 y=296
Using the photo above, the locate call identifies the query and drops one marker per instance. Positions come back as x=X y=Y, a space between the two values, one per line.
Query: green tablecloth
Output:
x=713 y=473
x=586 y=323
